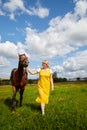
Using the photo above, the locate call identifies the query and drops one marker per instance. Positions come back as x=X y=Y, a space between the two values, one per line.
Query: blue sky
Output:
x=44 y=29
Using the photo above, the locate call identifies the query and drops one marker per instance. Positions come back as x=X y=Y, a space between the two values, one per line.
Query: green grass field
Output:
x=67 y=109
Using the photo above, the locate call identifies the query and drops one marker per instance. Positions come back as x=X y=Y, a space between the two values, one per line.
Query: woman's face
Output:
x=44 y=65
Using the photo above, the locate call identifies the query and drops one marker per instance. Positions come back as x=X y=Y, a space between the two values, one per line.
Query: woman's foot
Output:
x=43 y=113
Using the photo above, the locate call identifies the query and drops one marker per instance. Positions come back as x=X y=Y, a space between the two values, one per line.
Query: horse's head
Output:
x=23 y=60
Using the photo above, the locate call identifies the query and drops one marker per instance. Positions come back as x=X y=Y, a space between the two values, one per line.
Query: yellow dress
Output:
x=43 y=86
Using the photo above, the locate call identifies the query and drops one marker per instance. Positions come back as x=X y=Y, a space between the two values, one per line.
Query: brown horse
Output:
x=19 y=79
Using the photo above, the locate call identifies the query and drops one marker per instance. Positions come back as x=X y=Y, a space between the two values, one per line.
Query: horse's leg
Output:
x=14 y=97
x=21 y=96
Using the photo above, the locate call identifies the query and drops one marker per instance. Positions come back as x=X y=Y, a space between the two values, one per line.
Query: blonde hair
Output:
x=47 y=63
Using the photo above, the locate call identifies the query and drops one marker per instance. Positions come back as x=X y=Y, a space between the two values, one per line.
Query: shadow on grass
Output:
x=8 y=102
x=33 y=106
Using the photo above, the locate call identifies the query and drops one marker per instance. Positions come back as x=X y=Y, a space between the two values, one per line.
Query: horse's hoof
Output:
x=12 y=112
x=13 y=109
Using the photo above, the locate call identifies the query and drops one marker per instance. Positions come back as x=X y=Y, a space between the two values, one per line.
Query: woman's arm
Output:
x=32 y=71
x=52 y=84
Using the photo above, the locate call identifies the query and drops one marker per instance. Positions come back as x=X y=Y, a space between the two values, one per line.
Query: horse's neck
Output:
x=20 y=68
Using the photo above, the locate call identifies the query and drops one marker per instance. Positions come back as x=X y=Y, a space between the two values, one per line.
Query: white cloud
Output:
x=64 y=35
x=21 y=49
x=13 y=5
x=81 y=8
x=40 y=11
x=8 y=49
x=72 y=67
x=11 y=34
x=1 y=12
x=76 y=63
x=48 y=44
x=58 y=68
x=11 y=50
x=9 y=56
x=3 y=62
x=18 y=5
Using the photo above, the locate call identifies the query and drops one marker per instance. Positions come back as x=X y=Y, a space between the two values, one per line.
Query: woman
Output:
x=44 y=83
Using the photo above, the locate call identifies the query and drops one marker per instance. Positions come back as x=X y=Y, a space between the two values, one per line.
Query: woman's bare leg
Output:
x=43 y=108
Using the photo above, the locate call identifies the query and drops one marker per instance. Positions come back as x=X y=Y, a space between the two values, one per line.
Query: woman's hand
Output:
x=52 y=88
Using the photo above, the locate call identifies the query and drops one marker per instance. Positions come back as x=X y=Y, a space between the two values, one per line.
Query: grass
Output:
x=67 y=109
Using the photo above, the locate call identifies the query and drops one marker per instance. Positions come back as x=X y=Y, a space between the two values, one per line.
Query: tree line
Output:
x=31 y=81
x=34 y=81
